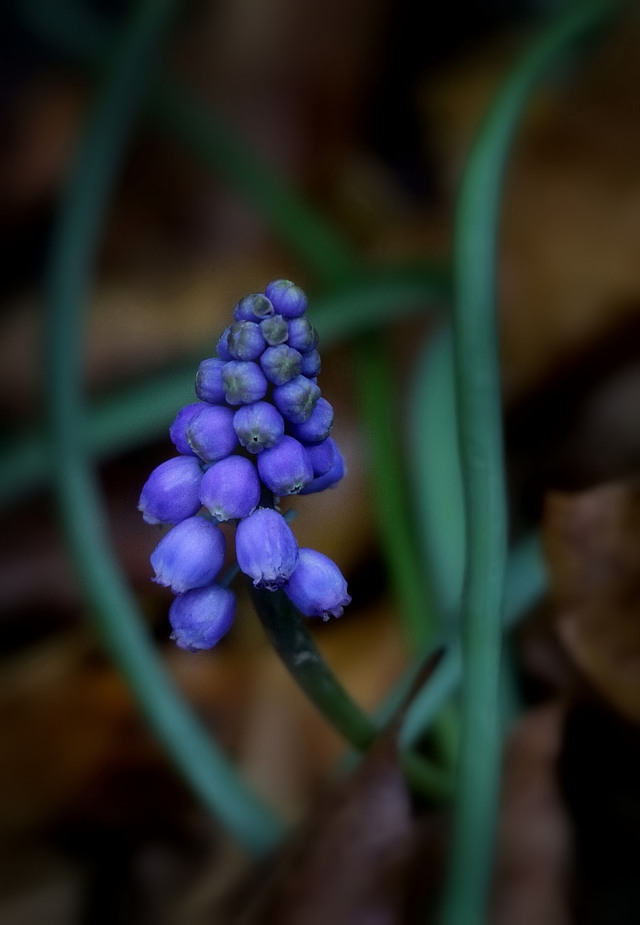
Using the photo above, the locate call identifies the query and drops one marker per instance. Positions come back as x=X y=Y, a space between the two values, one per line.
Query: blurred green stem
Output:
x=74 y=247
x=479 y=414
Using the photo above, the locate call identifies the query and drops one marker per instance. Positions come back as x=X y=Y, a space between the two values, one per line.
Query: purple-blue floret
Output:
x=317 y=586
x=287 y=299
x=253 y=306
x=189 y=556
x=172 y=491
x=285 y=468
x=201 y=617
x=230 y=489
x=296 y=399
x=178 y=429
x=318 y=425
x=322 y=456
x=243 y=382
x=302 y=335
x=245 y=340
x=329 y=478
x=210 y=434
x=311 y=364
x=281 y=363
x=258 y=426
x=266 y=548
x=275 y=330
x=209 y=385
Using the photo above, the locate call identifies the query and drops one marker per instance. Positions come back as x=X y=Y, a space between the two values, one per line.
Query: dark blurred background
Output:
x=368 y=109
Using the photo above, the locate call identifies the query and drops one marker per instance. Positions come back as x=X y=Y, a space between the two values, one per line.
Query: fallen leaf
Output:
x=593 y=548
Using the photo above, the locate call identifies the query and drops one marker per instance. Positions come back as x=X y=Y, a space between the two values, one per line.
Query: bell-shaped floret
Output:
x=245 y=340
x=189 y=556
x=287 y=299
x=317 y=586
x=230 y=488
x=285 y=468
x=329 y=478
x=322 y=456
x=244 y=382
x=210 y=434
x=318 y=425
x=302 y=335
x=296 y=399
x=311 y=364
x=275 y=330
x=172 y=491
x=178 y=430
x=281 y=363
x=258 y=426
x=266 y=548
x=209 y=386
x=253 y=306
x=199 y=618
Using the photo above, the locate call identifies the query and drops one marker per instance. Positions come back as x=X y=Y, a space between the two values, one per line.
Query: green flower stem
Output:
x=74 y=248
x=478 y=395
x=526 y=582
x=293 y=642
x=434 y=458
x=376 y=387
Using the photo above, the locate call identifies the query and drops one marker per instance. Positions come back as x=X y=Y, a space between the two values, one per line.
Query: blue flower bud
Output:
x=230 y=488
x=258 y=426
x=318 y=425
x=330 y=478
x=275 y=330
x=311 y=364
x=285 y=468
x=209 y=385
x=302 y=335
x=172 y=491
x=210 y=434
x=189 y=556
x=287 y=299
x=201 y=617
x=296 y=399
x=178 y=430
x=280 y=364
x=266 y=548
x=245 y=340
x=253 y=306
x=222 y=348
x=322 y=456
x=317 y=586
x=244 y=382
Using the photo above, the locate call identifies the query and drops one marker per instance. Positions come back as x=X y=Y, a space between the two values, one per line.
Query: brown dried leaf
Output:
x=593 y=548
x=354 y=858
x=348 y=864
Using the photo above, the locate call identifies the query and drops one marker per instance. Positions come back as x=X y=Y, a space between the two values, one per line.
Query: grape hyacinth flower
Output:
x=258 y=431
x=316 y=586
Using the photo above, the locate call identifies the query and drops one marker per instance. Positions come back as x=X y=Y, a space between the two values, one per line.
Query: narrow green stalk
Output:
x=377 y=393
x=74 y=248
x=478 y=395
x=291 y=639
x=526 y=582
x=434 y=460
